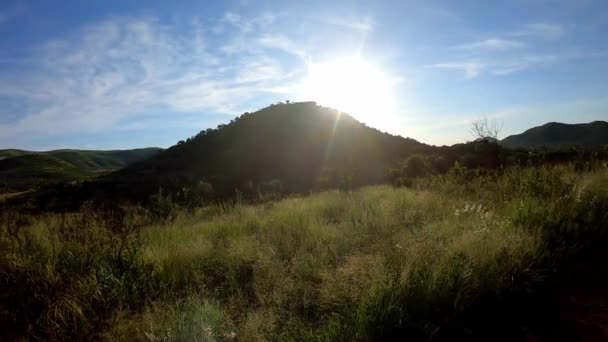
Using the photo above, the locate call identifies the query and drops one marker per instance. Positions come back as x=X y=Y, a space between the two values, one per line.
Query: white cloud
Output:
x=475 y=68
x=116 y=70
x=280 y=42
x=513 y=65
x=493 y=44
x=542 y=30
x=471 y=69
x=248 y=24
x=357 y=24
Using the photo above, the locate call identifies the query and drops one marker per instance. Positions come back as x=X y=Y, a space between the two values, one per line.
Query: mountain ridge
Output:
x=90 y=160
x=557 y=134
x=25 y=170
x=302 y=145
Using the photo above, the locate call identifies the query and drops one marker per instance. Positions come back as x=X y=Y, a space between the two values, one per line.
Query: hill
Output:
x=91 y=160
x=556 y=134
x=294 y=146
x=31 y=170
x=23 y=170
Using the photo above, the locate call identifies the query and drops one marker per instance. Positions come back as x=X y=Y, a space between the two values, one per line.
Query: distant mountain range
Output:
x=21 y=170
x=555 y=134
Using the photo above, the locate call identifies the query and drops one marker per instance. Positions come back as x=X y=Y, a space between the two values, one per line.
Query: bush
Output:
x=416 y=166
x=162 y=208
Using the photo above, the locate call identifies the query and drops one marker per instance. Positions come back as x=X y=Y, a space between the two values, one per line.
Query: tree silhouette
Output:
x=486 y=129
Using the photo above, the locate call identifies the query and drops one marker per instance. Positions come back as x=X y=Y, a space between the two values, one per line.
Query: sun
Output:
x=353 y=86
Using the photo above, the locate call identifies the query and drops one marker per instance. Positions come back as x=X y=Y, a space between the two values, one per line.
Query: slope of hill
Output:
x=302 y=145
x=90 y=160
x=23 y=170
x=556 y=134
x=31 y=170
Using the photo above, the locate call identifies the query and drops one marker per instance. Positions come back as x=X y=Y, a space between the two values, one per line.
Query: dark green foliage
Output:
x=302 y=145
x=104 y=161
x=29 y=171
x=196 y=195
x=93 y=161
x=556 y=134
x=25 y=170
x=416 y=166
x=272 y=189
x=161 y=207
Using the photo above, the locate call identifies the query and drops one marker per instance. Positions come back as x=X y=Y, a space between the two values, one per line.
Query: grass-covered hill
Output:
x=22 y=170
x=555 y=134
x=296 y=145
x=91 y=160
x=31 y=170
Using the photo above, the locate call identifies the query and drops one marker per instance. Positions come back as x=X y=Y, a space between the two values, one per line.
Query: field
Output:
x=461 y=255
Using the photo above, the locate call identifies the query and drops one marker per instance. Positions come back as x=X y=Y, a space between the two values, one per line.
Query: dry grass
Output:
x=357 y=265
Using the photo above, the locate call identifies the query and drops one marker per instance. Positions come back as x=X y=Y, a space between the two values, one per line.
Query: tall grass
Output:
x=448 y=259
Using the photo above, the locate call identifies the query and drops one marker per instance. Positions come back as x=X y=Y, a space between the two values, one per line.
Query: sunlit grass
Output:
x=315 y=257
x=354 y=265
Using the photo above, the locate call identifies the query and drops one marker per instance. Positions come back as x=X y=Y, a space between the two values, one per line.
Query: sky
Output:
x=126 y=74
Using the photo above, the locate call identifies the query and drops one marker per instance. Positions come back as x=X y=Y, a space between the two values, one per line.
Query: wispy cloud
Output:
x=474 y=68
x=283 y=43
x=116 y=70
x=247 y=24
x=111 y=74
x=492 y=44
x=516 y=64
x=506 y=53
x=358 y=24
x=453 y=127
x=471 y=69
x=541 y=30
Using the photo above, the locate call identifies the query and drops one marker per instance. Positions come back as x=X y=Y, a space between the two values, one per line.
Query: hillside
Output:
x=91 y=160
x=23 y=170
x=31 y=170
x=556 y=134
x=302 y=145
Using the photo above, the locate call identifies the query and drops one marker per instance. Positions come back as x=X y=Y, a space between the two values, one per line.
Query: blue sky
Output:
x=123 y=74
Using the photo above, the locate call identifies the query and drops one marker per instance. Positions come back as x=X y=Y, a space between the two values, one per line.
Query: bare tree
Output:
x=486 y=129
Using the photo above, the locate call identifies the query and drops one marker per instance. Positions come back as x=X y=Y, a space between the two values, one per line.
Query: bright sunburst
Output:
x=354 y=86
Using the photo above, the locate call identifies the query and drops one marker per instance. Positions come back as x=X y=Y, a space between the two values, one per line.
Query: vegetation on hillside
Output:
x=25 y=170
x=301 y=145
x=30 y=171
x=291 y=148
x=93 y=160
x=104 y=161
x=560 y=135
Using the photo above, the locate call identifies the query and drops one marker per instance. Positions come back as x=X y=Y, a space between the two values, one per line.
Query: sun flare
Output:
x=353 y=86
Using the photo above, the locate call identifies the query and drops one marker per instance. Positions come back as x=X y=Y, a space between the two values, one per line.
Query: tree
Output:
x=486 y=134
x=416 y=166
x=486 y=130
